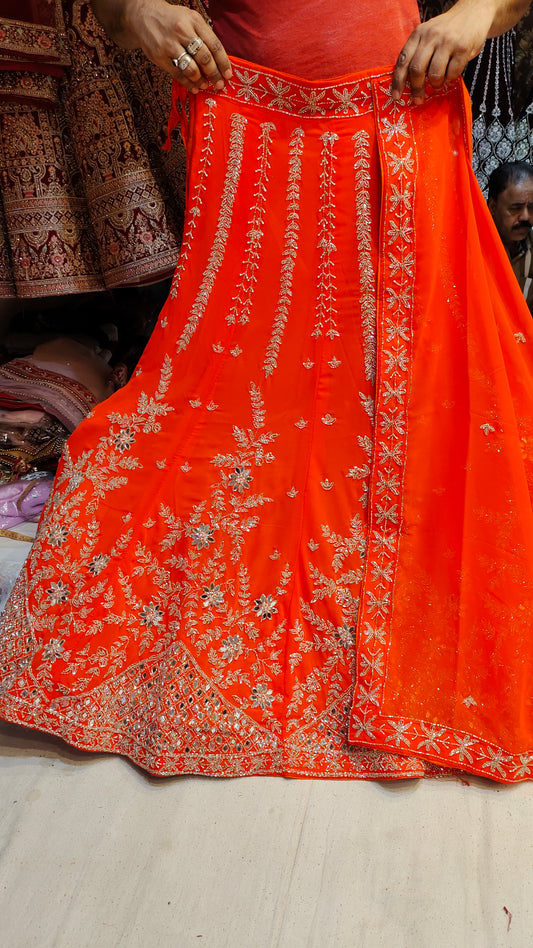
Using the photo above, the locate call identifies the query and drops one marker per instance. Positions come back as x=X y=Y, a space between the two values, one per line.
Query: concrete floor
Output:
x=94 y=854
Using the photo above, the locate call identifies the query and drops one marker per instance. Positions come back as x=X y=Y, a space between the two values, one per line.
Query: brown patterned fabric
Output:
x=32 y=35
x=89 y=200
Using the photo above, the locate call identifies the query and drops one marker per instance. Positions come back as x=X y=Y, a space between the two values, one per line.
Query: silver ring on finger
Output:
x=194 y=46
x=182 y=62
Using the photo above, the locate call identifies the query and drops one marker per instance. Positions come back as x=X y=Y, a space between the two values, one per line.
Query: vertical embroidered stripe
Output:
x=197 y=197
x=398 y=271
x=288 y=260
x=242 y=301
x=326 y=284
x=367 y=274
x=231 y=183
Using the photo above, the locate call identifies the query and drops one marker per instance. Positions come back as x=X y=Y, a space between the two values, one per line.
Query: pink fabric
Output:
x=23 y=501
x=319 y=40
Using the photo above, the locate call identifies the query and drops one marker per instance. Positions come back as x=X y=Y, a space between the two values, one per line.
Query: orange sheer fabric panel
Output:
x=319 y=40
x=456 y=683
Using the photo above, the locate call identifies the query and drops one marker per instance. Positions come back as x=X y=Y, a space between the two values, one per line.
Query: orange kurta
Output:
x=305 y=524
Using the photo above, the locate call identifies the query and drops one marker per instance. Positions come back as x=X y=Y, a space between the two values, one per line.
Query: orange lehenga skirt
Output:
x=300 y=541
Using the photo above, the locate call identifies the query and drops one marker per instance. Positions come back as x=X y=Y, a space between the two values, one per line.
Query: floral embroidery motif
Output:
x=151 y=615
x=98 y=563
x=240 y=480
x=335 y=99
x=202 y=536
x=58 y=593
x=265 y=607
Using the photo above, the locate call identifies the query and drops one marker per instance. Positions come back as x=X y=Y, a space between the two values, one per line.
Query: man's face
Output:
x=512 y=211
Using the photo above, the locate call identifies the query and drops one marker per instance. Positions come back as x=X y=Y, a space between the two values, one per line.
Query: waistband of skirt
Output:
x=257 y=87
x=306 y=98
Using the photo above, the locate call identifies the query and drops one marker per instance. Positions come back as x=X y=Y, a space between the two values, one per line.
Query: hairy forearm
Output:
x=505 y=13
x=509 y=12
x=110 y=14
x=117 y=17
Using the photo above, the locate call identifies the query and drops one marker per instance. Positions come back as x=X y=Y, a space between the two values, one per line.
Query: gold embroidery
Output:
x=326 y=288
x=367 y=276
x=391 y=397
x=242 y=301
x=231 y=183
x=197 y=198
x=290 y=252
x=335 y=99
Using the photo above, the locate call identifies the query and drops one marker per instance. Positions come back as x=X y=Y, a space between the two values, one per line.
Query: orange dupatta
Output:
x=445 y=632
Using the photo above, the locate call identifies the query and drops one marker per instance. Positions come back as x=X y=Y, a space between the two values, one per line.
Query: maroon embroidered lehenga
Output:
x=89 y=200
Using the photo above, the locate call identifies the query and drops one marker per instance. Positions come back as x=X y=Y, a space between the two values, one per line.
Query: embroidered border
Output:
x=41 y=42
x=27 y=87
x=290 y=253
x=231 y=183
x=336 y=99
x=395 y=330
x=447 y=746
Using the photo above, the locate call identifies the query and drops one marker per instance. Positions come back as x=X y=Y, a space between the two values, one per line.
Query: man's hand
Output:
x=441 y=48
x=163 y=31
